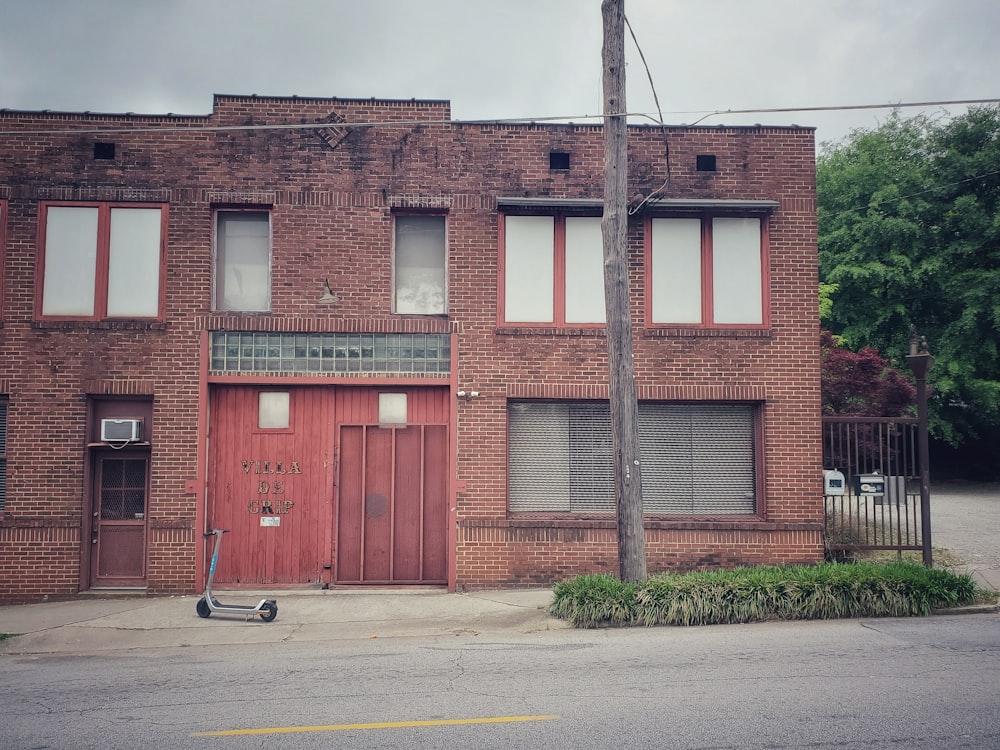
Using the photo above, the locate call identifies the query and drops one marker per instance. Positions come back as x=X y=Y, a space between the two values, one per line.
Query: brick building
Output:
x=369 y=340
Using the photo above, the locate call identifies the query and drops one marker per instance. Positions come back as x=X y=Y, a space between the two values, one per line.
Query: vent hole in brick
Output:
x=104 y=151
x=705 y=162
x=558 y=160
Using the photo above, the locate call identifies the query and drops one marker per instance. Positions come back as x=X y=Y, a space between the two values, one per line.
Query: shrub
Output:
x=826 y=591
x=591 y=600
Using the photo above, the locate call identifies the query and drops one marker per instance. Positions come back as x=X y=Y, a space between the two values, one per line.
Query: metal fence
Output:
x=877 y=506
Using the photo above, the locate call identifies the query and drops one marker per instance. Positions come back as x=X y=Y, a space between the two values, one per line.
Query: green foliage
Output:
x=909 y=232
x=591 y=600
x=862 y=383
x=826 y=292
x=827 y=591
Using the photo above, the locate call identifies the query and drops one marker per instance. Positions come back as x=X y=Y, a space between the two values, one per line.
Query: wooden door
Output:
x=393 y=504
x=118 y=531
x=272 y=487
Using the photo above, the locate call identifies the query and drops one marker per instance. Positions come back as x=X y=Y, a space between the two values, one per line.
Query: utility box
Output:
x=833 y=483
x=869 y=484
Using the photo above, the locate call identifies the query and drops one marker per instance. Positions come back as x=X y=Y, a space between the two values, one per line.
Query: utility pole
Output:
x=621 y=365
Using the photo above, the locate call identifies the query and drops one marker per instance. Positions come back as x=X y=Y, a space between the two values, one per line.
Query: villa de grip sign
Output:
x=271 y=484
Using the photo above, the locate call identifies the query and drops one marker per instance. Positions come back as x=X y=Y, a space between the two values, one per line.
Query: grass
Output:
x=826 y=591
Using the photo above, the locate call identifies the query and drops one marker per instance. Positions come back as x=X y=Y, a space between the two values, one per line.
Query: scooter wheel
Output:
x=269 y=611
x=202 y=608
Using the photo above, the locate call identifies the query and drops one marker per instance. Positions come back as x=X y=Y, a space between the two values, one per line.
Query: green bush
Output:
x=592 y=600
x=818 y=592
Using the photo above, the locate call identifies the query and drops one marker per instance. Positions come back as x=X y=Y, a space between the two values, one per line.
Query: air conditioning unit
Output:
x=121 y=430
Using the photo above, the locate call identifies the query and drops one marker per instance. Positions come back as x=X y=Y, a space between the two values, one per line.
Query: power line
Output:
x=568 y=119
x=663 y=129
x=899 y=199
x=845 y=107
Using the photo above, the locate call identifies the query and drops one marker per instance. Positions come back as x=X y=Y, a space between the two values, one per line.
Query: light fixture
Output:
x=328 y=297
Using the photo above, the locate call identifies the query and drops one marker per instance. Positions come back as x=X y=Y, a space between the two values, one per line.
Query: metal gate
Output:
x=393 y=504
x=880 y=515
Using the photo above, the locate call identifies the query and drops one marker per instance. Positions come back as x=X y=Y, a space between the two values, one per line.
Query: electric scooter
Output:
x=266 y=608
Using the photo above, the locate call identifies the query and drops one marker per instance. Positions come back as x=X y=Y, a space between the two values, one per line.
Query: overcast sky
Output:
x=500 y=59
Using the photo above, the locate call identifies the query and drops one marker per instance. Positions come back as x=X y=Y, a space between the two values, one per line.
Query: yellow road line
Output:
x=376 y=725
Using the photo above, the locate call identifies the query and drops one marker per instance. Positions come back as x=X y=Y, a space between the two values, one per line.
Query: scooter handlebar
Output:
x=214 y=531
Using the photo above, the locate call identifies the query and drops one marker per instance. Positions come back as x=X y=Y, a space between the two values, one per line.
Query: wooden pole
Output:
x=621 y=366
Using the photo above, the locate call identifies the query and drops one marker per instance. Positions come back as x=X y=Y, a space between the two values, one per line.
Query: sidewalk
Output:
x=91 y=625
x=987 y=578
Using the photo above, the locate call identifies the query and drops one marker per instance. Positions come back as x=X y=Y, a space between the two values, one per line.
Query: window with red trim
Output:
x=707 y=271
x=100 y=261
x=553 y=271
x=698 y=459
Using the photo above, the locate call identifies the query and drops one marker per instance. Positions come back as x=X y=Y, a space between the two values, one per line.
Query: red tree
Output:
x=862 y=383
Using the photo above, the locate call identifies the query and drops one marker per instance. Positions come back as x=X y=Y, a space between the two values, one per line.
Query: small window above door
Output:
x=273 y=412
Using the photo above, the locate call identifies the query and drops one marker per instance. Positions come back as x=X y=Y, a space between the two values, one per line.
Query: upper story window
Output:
x=419 y=264
x=552 y=270
x=100 y=260
x=243 y=261
x=708 y=271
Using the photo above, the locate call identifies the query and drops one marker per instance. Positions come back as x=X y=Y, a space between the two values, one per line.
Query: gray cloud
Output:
x=493 y=59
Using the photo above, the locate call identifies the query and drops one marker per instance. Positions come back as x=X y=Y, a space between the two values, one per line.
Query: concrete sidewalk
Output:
x=92 y=624
x=987 y=578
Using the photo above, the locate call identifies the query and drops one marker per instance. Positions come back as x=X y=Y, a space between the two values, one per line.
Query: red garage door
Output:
x=392 y=510
x=271 y=486
x=317 y=491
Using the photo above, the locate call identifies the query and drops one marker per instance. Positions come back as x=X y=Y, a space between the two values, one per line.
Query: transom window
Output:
x=697 y=459
x=243 y=261
x=100 y=260
x=553 y=270
x=706 y=272
x=419 y=265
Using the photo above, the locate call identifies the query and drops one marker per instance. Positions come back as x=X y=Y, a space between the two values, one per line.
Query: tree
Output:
x=909 y=225
x=862 y=383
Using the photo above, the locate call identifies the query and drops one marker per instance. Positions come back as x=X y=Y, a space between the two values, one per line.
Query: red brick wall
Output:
x=332 y=193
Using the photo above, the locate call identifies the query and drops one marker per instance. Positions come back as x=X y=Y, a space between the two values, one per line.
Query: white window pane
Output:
x=392 y=408
x=584 y=270
x=243 y=252
x=134 y=263
x=675 y=278
x=528 y=269
x=736 y=271
x=420 y=265
x=273 y=410
x=70 y=261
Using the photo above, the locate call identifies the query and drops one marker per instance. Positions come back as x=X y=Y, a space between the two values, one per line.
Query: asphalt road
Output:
x=900 y=683
x=894 y=683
